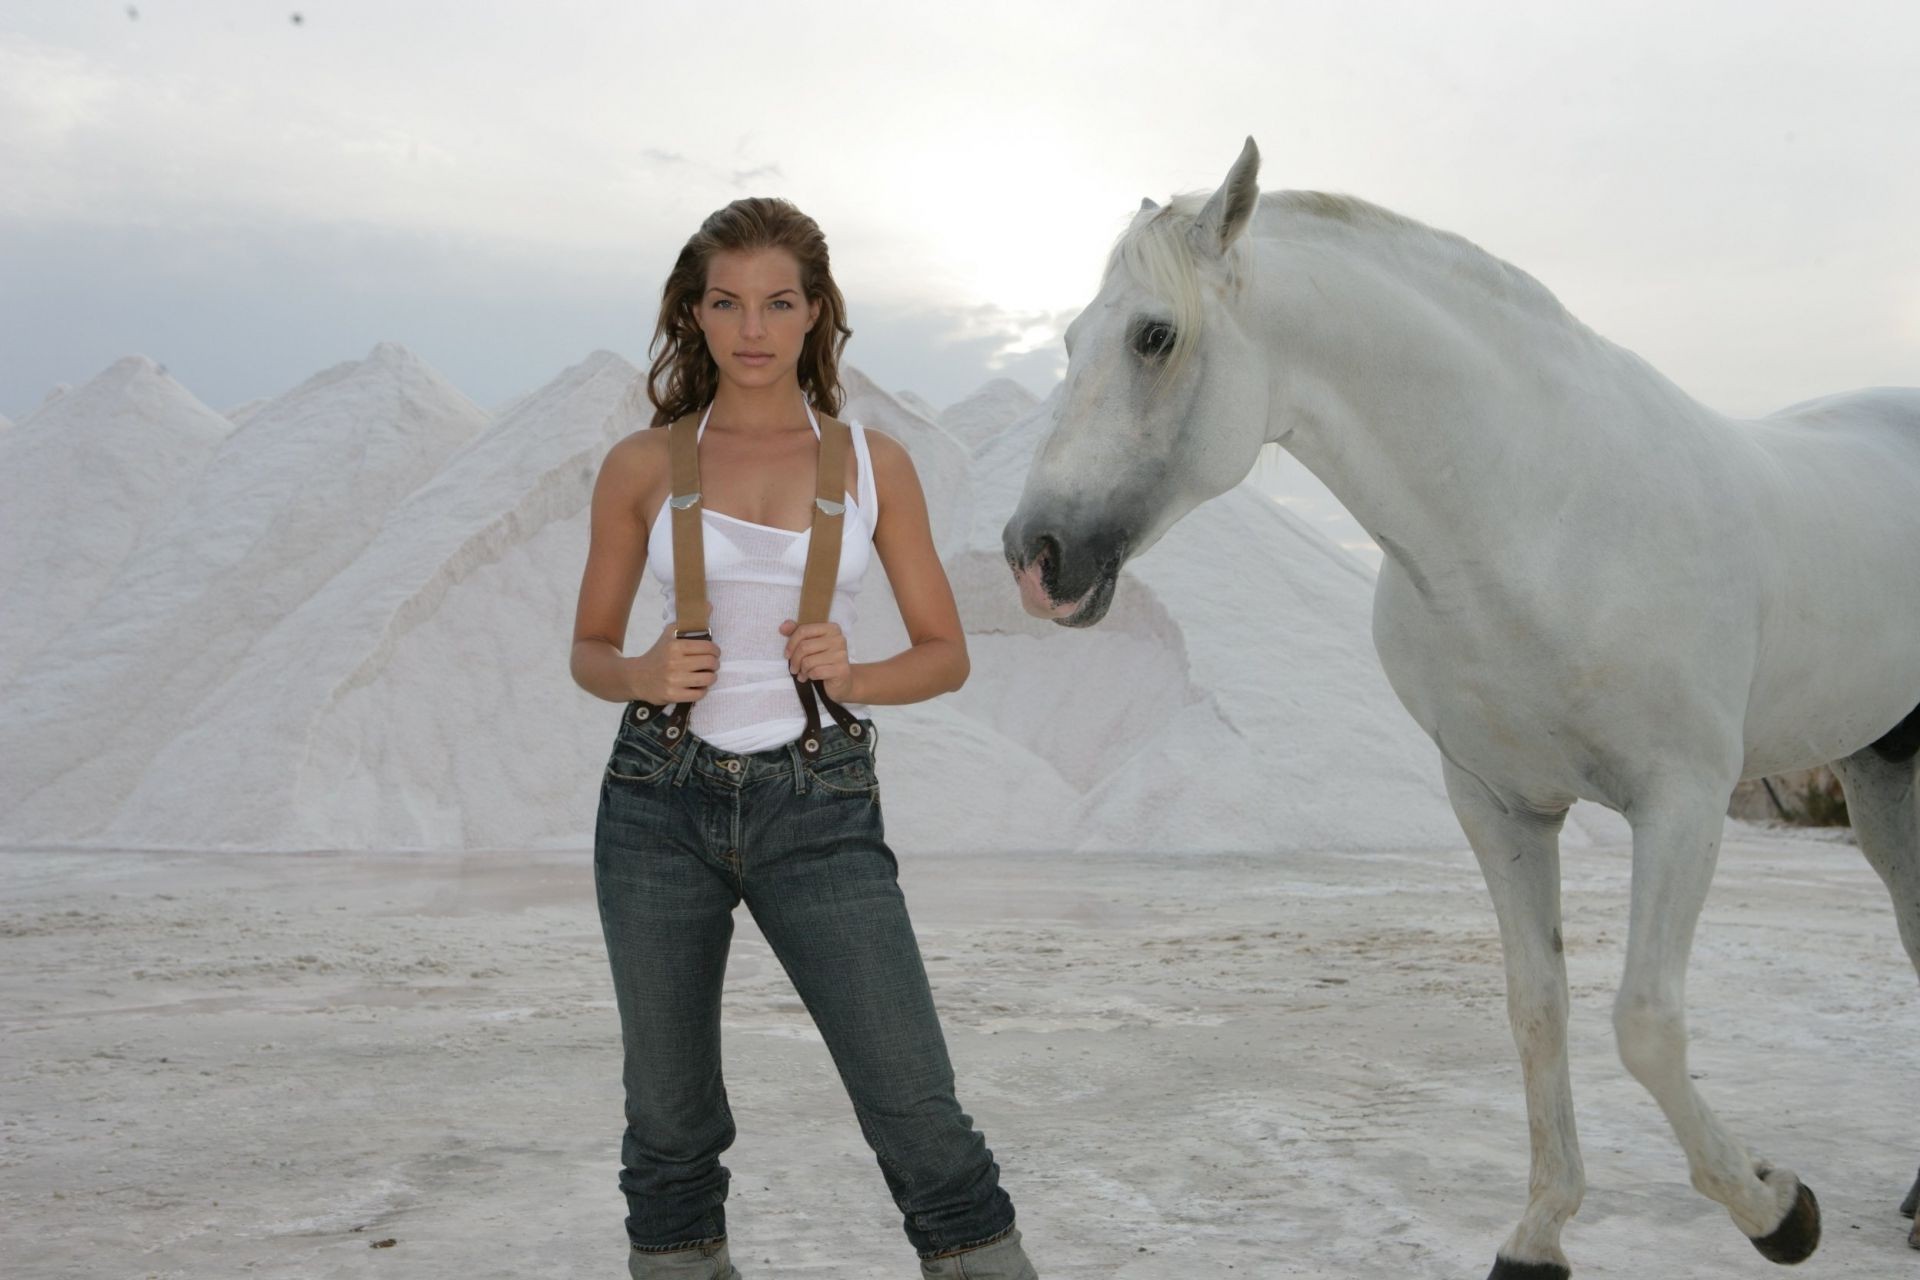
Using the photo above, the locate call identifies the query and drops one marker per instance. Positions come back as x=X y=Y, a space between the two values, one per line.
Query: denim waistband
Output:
x=696 y=755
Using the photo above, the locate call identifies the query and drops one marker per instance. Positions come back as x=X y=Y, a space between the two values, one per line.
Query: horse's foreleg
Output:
x=1519 y=852
x=1883 y=804
x=1675 y=845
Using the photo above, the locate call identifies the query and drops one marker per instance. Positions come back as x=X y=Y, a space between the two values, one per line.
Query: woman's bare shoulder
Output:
x=896 y=485
x=637 y=468
x=886 y=451
x=640 y=455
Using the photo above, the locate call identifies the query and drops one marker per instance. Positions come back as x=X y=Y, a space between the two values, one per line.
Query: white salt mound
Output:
x=918 y=404
x=420 y=697
x=283 y=504
x=987 y=412
x=355 y=633
x=88 y=477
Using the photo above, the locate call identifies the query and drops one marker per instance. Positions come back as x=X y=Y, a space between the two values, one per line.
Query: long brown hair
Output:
x=684 y=376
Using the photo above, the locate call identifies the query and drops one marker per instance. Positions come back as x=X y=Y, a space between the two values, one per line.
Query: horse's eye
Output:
x=1153 y=338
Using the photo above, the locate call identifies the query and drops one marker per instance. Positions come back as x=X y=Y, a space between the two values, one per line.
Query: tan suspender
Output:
x=829 y=512
x=692 y=612
x=690 y=608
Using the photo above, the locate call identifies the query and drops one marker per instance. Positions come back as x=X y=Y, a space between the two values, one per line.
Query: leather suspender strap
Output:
x=829 y=513
x=691 y=611
x=823 y=567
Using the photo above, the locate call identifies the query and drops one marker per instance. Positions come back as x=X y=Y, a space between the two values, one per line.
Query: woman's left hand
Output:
x=818 y=651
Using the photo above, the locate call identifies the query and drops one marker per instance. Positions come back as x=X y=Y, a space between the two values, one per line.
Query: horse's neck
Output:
x=1449 y=419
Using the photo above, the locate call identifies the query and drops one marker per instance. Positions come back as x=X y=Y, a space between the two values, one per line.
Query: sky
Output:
x=1730 y=190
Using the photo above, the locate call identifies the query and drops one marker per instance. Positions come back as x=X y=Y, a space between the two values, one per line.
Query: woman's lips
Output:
x=752 y=359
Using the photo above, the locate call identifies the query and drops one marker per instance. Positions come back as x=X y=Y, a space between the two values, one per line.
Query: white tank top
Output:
x=753 y=584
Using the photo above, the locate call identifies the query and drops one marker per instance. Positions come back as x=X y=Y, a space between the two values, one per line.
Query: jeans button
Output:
x=732 y=766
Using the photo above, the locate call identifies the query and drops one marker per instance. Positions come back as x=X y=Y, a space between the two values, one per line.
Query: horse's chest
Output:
x=1495 y=693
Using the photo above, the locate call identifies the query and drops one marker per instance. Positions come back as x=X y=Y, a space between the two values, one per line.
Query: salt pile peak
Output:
x=420 y=697
x=87 y=478
x=918 y=404
x=283 y=503
x=987 y=412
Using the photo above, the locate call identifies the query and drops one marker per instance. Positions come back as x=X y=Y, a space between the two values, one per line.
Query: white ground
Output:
x=222 y=1065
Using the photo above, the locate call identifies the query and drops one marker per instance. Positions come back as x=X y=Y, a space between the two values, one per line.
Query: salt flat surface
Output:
x=223 y=1065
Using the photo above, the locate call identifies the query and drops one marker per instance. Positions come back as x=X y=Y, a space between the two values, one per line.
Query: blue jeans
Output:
x=683 y=835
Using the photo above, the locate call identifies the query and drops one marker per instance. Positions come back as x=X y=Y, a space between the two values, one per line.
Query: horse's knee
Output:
x=1650 y=1033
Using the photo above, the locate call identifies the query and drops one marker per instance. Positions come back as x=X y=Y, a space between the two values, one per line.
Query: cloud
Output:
x=1726 y=208
x=761 y=174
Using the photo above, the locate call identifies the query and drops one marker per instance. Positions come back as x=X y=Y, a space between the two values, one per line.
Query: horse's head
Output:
x=1164 y=403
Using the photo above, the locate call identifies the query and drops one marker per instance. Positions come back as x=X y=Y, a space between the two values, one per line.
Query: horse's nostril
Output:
x=1046 y=552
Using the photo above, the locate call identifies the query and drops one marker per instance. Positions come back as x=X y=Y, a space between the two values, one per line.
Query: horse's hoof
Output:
x=1913 y=1236
x=1508 y=1269
x=1798 y=1234
x=1912 y=1201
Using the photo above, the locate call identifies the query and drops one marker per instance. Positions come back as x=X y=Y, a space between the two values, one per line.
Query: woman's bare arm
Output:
x=632 y=481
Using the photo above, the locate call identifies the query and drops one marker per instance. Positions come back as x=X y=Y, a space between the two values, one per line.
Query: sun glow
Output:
x=1010 y=263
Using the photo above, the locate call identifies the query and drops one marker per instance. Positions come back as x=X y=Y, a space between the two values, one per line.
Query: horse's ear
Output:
x=1147 y=205
x=1229 y=209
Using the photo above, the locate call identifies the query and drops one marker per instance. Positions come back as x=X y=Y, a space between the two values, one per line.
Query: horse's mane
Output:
x=1156 y=251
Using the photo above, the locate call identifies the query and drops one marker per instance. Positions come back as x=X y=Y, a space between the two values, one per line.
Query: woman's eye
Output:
x=1153 y=338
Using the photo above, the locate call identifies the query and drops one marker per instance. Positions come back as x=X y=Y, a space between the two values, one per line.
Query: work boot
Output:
x=1003 y=1259
x=696 y=1262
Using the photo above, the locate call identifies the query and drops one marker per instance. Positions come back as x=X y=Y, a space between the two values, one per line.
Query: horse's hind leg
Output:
x=1676 y=840
x=1519 y=852
x=1885 y=810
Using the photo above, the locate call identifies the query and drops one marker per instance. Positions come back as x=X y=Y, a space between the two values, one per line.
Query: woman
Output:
x=749 y=336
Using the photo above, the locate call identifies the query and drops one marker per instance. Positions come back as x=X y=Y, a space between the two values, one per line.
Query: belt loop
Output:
x=687 y=749
x=799 y=770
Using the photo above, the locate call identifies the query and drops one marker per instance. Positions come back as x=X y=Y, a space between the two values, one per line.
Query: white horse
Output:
x=1594 y=587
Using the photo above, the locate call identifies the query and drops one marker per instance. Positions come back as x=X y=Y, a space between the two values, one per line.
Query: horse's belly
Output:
x=1835 y=684
x=1838 y=662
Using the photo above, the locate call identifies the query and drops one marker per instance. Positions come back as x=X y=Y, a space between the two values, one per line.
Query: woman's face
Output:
x=754 y=315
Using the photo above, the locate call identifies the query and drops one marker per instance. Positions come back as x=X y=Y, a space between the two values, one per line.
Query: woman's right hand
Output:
x=675 y=670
